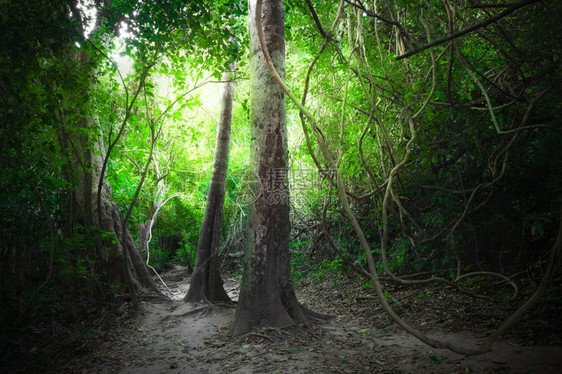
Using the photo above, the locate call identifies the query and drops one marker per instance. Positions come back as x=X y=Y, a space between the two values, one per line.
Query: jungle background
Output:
x=441 y=119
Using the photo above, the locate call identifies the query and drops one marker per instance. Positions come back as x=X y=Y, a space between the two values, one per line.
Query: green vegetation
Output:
x=450 y=156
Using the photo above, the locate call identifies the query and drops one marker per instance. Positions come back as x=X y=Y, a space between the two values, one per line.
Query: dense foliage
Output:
x=450 y=155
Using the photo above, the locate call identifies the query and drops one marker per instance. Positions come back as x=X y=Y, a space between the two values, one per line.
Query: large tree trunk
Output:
x=267 y=297
x=109 y=219
x=206 y=283
x=115 y=247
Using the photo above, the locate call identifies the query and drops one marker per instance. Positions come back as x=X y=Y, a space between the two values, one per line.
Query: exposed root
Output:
x=231 y=304
x=276 y=329
x=245 y=336
x=155 y=298
x=265 y=332
x=203 y=310
x=316 y=315
x=506 y=279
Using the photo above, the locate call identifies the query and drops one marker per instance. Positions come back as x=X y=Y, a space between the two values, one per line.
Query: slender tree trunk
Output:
x=206 y=283
x=267 y=297
x=159 y=190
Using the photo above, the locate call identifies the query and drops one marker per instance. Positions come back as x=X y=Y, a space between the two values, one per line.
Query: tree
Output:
x=30 y=183
x=91 y=146
x=90 y=203
x=426 y=106
x=206 y=283
x=267 y=296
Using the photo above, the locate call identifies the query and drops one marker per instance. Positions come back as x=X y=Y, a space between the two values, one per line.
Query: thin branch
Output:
x=393 y=173
x=384 y=19
x=335 y=248
x=128 y=109
x=316 y=20
x=484 y=6
x=149 y=228
x=470 y=29
x=493 y=274
x=115 y=65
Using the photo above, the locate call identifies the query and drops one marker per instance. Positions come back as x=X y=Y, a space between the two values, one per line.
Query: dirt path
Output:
x=164 y=338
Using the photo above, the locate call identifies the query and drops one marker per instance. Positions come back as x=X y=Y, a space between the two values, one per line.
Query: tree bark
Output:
x=112 y=223
x=267 y=296
x=145 y=228
x=82 y=143
x=206 y=282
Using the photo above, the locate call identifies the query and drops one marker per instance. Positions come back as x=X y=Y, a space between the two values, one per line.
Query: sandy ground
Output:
x=177 y=337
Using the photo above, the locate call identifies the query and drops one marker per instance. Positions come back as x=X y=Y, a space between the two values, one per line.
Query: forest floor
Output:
x=177 y=337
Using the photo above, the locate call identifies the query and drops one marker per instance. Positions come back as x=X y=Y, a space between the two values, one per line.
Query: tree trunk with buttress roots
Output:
x=206 y=282
x=115 y=247
x=110 y=220
x=267 y=297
